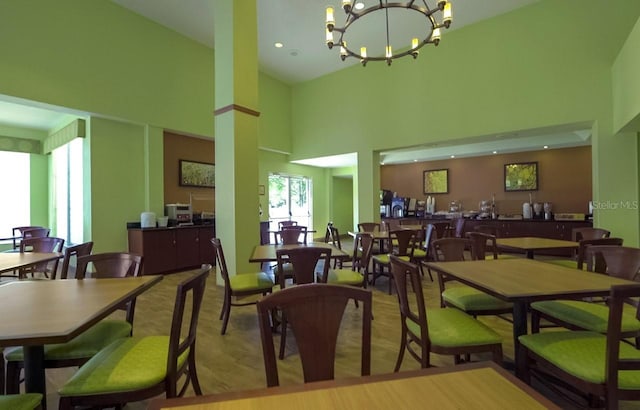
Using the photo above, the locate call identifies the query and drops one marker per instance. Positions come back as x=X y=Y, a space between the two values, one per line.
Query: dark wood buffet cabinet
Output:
x=172 y=249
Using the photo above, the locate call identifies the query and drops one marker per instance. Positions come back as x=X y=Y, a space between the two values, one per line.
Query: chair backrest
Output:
x=293 y=234
x=221 y=263
x=613 y=362
x=35 y=233
x=282 y=224
x=450 y=249
x=191 y=289
x=303 y=263
x=368 y=227
x=362 y=251
x=109 y=265
x=488 y=229
x=457 y=225
x=578 y=234
x=618 y=261
x=314 y=312
x=18 y=234
x=479 y=244
x=403 y=273
x=595 y=262
x=429 y=231
x=442 y=229
x=42 y=244
x=76 y=251
x=327 y=232
x=334 y=237
x=405 y=241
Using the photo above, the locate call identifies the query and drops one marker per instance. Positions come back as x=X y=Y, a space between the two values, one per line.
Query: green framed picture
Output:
x=522 y=176
x=436 y=181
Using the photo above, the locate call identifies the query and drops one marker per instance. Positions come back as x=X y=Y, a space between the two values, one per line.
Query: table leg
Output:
x=34 y=378
x=519 y=327
x=529 y=254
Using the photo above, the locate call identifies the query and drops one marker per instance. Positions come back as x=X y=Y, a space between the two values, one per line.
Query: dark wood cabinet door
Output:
x=187 y=247
x=206 y=248
x=159 y=251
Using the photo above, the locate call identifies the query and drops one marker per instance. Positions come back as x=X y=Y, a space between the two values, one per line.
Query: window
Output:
x=15 y=185
x=289 y=198
x=68 y=192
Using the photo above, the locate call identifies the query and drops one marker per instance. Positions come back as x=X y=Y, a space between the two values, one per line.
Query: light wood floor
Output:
x=234 y=362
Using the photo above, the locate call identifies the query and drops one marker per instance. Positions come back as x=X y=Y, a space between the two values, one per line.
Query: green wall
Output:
x=626 y=84
x=342 y=204
x=540 y=66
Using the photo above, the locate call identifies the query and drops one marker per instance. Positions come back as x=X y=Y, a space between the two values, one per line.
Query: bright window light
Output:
x=14 y=185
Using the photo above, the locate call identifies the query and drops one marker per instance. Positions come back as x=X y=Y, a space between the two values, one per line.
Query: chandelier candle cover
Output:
x=356 y=11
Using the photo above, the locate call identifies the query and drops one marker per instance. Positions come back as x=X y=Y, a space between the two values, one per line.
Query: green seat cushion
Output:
x=251 y=281
x=454 y=328
x=28 y=401
x=585 y=315
x=419 y=253
x=85 y=345
x=383 y=259
x=582 y=354
x=344 y=277
x=128 y=364
x=469 y=299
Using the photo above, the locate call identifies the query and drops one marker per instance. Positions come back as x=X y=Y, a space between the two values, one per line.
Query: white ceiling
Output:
x=299 y=25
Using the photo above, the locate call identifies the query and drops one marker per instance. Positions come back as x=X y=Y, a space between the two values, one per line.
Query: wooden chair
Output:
x=619 y=261
x=41 y=244
x=359 y=272
x=578 y=234
x=334 y=239
x=404 y=250
x=314 y=312
x=83 y=347
x=443 y=229
x=239 y=285
x=423 y=253
x=591 y=363
x=470 y=300
x=71 y=252
x=441 y=331
x=283 y=224
x=117 y=375
x=291 y=235
x=579 y=261
x=18 y=233
x=303 y=262
x=368 y=227
x=457 y=227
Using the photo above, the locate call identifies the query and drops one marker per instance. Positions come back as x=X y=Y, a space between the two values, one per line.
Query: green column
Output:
x=236 y=130
x=367 y=187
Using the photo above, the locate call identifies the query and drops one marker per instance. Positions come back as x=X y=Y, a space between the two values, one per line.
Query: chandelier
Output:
x=429 y=32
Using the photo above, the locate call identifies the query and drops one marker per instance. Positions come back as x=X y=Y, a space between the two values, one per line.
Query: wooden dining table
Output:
x=481 y=385
x=267 y=252
x=529 y=244
x=39 y=312
x=11 y=261
x=522 y=281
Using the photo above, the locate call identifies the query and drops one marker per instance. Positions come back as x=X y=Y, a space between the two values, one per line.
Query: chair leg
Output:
x=195 y=383
x=13 y=378
x=64 y=403
x=227 y=313
x=283 y=336
x=535 y=321
x=403 y=346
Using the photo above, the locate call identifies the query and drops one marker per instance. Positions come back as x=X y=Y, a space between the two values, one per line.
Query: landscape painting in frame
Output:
x=197 y=174
x=521 y=176
x=436 y=181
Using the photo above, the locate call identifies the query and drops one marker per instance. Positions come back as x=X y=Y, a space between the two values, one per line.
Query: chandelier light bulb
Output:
x=346 y=5
x=446 y=14
x=343 y=50
x=388 y=53
x=435 y=36
x=329 y=39
x=331 y=22
x=414 y=43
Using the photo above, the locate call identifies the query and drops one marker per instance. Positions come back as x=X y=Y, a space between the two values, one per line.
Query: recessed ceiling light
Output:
x=545 y=147
x=415 y=160
x=453 y=156
x=279 y=45
x=495 y=152
x=359 y=5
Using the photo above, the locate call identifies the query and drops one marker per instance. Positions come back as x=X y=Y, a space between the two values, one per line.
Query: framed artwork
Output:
x=522 y=176
x=436 y=181
x=197 y=174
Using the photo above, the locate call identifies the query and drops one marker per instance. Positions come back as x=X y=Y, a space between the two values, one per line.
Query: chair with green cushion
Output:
x=404 y=250
x=81 y=348
x=27 y=401
x=334 y=240
x=41 y=244
x=591 y=363
x=315 y=313
x=620 y=261
x=579 y=234
x=440 y=331
x=579 y=261
x=485 y=245
x=239 y=285
x=358 y=273
x=463 y=297
x=70 y=252
x=138 y=368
